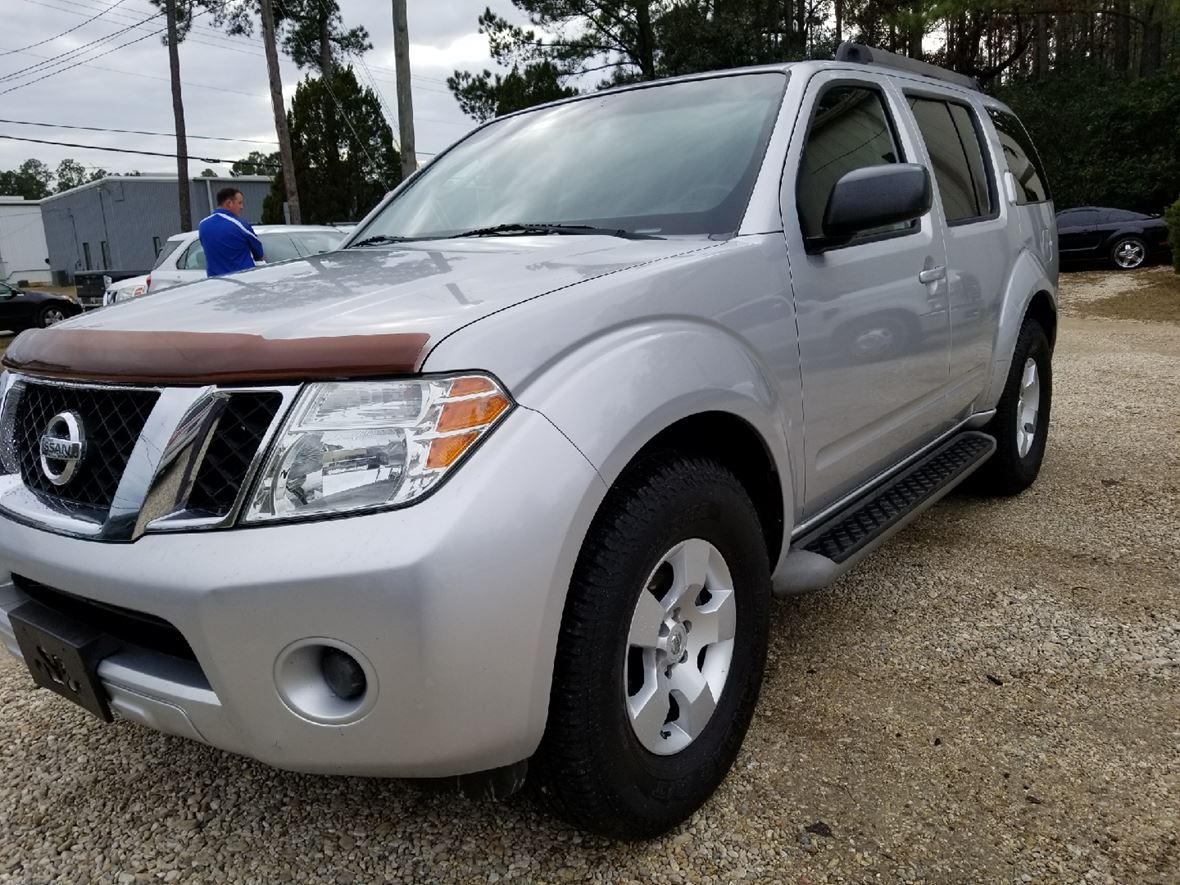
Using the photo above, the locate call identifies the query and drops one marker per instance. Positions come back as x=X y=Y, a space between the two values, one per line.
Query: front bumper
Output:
x=455 y=602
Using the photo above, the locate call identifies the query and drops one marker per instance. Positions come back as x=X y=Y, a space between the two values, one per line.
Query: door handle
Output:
x=932 y=274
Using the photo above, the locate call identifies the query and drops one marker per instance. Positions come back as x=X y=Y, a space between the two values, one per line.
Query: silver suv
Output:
x=502 y=489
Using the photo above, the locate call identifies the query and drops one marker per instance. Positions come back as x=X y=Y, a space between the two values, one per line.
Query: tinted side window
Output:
x=278 y=247
x=970 y=138
x=1021 y=157
x=194 y=257
x=1078 y=218
x=850 y=129
x=958 y=163
x=1114 y=215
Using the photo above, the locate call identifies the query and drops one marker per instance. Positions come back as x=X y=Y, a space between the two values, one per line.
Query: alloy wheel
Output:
x=680 y=646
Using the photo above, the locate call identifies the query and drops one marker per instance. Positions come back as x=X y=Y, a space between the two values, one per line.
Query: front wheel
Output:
x=51 y=315
x=1021 y=422
x=661 y=652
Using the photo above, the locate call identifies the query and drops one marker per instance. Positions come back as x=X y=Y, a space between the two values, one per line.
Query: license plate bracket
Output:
x=62 y=655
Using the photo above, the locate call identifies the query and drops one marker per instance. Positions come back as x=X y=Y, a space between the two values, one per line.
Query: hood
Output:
x=362 y=312
x=426 y=288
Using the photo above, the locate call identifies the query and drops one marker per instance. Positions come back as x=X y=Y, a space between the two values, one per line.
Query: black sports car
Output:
x=1126 y=239
x=28 y=308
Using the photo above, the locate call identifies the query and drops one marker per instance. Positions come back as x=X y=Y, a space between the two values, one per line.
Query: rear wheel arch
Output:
x=1042 y=309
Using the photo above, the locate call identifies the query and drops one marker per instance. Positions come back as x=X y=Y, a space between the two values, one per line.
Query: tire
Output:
x=51 y=315
x=593 y=768
x=1128 y=253
x=1016 y=463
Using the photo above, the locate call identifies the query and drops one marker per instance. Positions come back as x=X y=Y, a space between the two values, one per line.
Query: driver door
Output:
x=874 y=329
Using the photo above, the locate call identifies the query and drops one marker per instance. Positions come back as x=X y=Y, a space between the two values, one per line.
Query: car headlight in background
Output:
x=362 y=445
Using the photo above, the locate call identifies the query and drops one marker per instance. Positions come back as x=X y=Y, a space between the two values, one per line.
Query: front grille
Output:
x=132 y=627
x=112 y=422
x=239 y=433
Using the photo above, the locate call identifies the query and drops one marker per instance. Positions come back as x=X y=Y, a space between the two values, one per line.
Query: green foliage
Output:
x=32 y=180
x=1105 y=141
x=343 y=149
x=483 y=96
x=257 y=163
x=70 y=174
x=1172 y=217
x=311 y=27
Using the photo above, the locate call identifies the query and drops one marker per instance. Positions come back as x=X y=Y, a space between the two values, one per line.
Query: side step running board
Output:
x=825 y=553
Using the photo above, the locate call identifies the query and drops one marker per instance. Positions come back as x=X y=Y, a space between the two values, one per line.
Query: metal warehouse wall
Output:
x=22 y=241
x=126 y=213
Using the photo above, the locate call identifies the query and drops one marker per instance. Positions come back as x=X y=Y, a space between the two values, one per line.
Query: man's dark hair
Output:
x=226 y=193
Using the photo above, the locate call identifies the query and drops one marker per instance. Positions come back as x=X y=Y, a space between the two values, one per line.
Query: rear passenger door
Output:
x=977 y=249
x=873 y=337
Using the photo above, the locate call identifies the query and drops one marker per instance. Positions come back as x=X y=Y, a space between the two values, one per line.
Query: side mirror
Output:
x=873 y=197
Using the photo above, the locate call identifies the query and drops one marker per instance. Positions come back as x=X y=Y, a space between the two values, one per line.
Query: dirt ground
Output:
x=993 y=696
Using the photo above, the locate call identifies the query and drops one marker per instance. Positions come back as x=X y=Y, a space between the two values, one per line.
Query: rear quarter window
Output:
x=1021 y=158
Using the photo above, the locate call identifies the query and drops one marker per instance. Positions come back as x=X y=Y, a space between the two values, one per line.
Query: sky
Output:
x=224 y=79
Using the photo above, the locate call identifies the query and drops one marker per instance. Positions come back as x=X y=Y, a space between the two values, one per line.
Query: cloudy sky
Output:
x=224 y=79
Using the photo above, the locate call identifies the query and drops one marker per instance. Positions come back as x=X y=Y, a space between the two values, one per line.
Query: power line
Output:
x=115 y=150
x=137 y=132
x=63 y=33
x=224 y=39
x=76 y=64
x=166 y=80
x=79 y=49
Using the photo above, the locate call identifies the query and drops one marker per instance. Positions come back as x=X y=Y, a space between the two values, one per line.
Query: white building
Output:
x=23 y=253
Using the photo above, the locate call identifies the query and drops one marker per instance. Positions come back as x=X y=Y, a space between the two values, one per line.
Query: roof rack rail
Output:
x=858 y=53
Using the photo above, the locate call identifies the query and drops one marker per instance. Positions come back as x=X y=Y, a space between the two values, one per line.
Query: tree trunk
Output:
x=1151 y=59
x=182 y=183
x=1061 y=42
x=839 y=22
x=405 y=98
x=801 y=26
x=325 y=46
x=646 y=49
x=914 y=43
x=1122 y=37
x=276 y=99
x=1041 y=55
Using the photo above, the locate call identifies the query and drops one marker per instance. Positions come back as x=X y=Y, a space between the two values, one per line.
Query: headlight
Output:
x=8 y=463
x=363 y=445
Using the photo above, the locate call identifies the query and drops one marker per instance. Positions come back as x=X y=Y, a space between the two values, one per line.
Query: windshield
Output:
x=674 y=159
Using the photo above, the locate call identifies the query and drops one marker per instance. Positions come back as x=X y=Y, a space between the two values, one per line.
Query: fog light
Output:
x=343 y=674
x=325 y=680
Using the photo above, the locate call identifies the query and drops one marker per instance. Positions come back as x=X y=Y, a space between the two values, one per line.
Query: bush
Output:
x=1172 y=217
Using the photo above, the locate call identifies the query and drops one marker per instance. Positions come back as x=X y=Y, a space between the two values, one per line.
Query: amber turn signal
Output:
x=471 y=413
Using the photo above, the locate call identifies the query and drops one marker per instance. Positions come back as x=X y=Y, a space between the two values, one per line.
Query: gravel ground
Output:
x=991 y=697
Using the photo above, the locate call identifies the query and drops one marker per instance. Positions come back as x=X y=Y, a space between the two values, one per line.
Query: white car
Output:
x=125 y=290
x=182 y=260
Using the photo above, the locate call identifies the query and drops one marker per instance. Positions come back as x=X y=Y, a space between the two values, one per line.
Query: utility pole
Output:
x=266 y=8
x=405 y=101
x=182 y=182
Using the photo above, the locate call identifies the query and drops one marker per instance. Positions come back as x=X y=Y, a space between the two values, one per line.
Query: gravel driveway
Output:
x=993 y=696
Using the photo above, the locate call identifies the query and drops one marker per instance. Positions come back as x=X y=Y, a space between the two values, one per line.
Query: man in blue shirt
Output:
x=230 y=243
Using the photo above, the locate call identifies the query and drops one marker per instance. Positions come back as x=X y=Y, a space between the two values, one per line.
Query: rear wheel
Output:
x=1128 y=253
x=661 y=652
x=1021 y=422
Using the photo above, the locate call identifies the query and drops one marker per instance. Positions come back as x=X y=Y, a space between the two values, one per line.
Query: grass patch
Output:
x=1156 y=300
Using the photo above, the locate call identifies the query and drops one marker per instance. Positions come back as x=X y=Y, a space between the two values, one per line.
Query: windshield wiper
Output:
x=380 y=240
x=548 y=228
